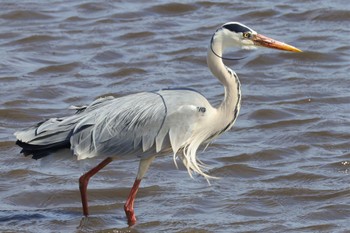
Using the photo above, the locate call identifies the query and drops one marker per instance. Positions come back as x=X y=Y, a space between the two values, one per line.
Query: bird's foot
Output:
x=130 y=215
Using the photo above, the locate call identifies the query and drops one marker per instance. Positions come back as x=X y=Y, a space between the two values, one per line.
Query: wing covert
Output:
x=120 y=126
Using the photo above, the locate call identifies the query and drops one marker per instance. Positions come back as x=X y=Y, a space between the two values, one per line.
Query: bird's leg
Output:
x=84 y=180
x=129 y=204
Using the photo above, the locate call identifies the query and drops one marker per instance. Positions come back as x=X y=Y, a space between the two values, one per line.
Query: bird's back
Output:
x=140 y=124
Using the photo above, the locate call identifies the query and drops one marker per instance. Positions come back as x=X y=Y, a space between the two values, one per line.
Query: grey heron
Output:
x=147 y=124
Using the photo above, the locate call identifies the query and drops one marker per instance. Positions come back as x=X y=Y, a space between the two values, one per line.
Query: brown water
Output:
x=285 y=165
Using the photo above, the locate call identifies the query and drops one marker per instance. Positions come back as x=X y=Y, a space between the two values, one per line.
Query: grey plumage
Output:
x=140 y=124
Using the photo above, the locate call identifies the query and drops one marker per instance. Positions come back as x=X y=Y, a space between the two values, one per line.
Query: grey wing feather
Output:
x=124 y=125
x=138 y=124
x=56 y=130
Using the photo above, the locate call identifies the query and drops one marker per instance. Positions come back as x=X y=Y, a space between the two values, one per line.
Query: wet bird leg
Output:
x=129 y=204
x=84 y=180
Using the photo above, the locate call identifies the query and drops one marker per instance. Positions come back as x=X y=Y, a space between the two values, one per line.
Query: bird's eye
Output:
x=247 y=35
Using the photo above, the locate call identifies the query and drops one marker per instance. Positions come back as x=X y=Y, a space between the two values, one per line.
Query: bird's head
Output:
x=235 y=34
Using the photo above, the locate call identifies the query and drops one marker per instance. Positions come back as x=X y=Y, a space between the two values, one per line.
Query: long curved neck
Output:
x=230 y=106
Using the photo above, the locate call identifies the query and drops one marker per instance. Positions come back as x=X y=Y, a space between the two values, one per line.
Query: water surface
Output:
x=284 y=166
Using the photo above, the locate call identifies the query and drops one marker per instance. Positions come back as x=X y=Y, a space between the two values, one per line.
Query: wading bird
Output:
x=148 y=124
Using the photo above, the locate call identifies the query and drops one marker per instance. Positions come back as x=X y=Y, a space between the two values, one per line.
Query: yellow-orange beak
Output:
x=264 y=41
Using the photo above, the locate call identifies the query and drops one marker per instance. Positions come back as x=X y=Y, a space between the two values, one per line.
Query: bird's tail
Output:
x=55 y=133
x=46 y=137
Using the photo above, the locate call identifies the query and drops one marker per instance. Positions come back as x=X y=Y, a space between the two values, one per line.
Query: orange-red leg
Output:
x=129 y=204
x=84 y=180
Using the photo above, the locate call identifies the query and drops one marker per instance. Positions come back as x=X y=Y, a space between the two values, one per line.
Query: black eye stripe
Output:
x=236 y=27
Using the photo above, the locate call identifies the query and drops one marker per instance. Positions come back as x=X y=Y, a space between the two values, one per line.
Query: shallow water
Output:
x=284 y=166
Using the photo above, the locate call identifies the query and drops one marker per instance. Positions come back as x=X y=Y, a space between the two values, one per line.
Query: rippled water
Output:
x=285 y=164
